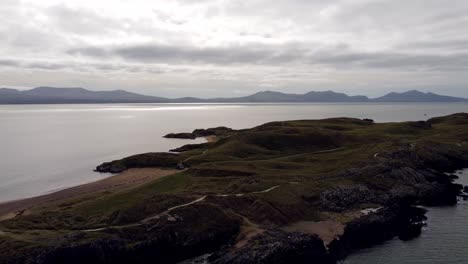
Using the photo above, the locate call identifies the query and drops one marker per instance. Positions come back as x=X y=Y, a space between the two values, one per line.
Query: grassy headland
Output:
x=248 y=186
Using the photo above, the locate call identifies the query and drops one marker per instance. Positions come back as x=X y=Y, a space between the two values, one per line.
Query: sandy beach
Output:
x=128 y=179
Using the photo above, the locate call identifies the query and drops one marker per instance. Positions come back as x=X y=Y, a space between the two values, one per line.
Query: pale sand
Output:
x=326 y=230
x=211 y=138
x=128 y=179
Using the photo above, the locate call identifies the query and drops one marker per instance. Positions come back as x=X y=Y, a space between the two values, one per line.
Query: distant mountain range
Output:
x=52 y=95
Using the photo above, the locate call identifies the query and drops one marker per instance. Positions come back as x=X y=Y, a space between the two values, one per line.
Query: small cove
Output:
x=443 y=240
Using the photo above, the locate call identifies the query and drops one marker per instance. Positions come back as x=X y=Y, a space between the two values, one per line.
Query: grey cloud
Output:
x=208 y=43
x=155 y=53
x=8 y=63
x=84 y=67
x=340 y=56
x=445 y=45
x=32 y=64
x=46 y=65
x=447 y=17
x=158 y=53
x=396 y=60
x=81 y=21
x=95 y=52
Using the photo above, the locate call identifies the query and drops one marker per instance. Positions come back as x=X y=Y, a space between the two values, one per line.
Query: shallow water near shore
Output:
x=44 y=148
x=444 y=240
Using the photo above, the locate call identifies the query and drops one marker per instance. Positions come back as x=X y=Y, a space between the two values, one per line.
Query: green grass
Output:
x=303 y=157
x=171 y=184
x=92 y=211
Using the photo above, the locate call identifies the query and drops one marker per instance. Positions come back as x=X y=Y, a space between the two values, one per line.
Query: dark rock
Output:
x=411 y=174
x=216 y=131
x=189 y=147
x=188 y=232
x=345 y=197
x=95 y=252
x=377 y=227
x=112 y=167
x=276 y=247
x=181 y=135
x=163 y=160
x=465 y=189
x=203 y=132
x=182 y=166
x=437 y=194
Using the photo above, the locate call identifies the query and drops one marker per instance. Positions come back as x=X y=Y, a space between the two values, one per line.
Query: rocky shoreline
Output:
x=429 y=186
x=221 y=198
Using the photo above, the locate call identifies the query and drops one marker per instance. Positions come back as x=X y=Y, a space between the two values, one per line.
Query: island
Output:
x=304 y=191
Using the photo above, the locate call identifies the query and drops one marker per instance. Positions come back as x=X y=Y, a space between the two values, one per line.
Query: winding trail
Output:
x=148 y=219
x=299 y=154
x=166 y=213
x=202 y=198
x=242 y=194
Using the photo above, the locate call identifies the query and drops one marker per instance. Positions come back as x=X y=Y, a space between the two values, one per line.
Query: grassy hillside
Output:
x=271 y=175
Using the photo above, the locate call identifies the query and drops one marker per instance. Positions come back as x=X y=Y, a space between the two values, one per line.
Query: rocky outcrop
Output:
x=465 y=189
x=189 y=147
x=400 y=220
x=413 y=174
x=185 y=233
x=163 y=160
x=409 y=175
x=111 y=167
x=276 y=247
x=345 y=197
x=181 y=135
x=216 y=131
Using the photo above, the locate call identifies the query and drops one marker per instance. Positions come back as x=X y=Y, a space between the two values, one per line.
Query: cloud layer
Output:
x=224 y=48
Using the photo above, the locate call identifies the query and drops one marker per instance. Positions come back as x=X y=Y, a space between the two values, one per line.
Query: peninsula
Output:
x=281 y=192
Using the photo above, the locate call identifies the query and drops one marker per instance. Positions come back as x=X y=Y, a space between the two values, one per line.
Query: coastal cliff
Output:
x=236 y=200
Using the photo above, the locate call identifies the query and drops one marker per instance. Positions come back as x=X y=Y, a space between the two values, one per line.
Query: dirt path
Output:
x=310 y=153
x=242 y=194
x=167 y=212
x=247 y=231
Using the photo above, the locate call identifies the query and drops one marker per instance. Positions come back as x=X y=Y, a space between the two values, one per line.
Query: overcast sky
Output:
x=210 y=48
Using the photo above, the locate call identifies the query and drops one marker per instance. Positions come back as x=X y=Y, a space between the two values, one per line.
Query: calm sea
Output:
x=44 y=148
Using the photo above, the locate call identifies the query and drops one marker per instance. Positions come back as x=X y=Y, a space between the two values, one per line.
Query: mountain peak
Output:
x=9 y=90
x=48 y=88
x=268 y=92
x=46 y=94
x=414 y=92
x=417 y=96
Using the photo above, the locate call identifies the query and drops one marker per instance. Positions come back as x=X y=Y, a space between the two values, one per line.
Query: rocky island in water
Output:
x=307 y=191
